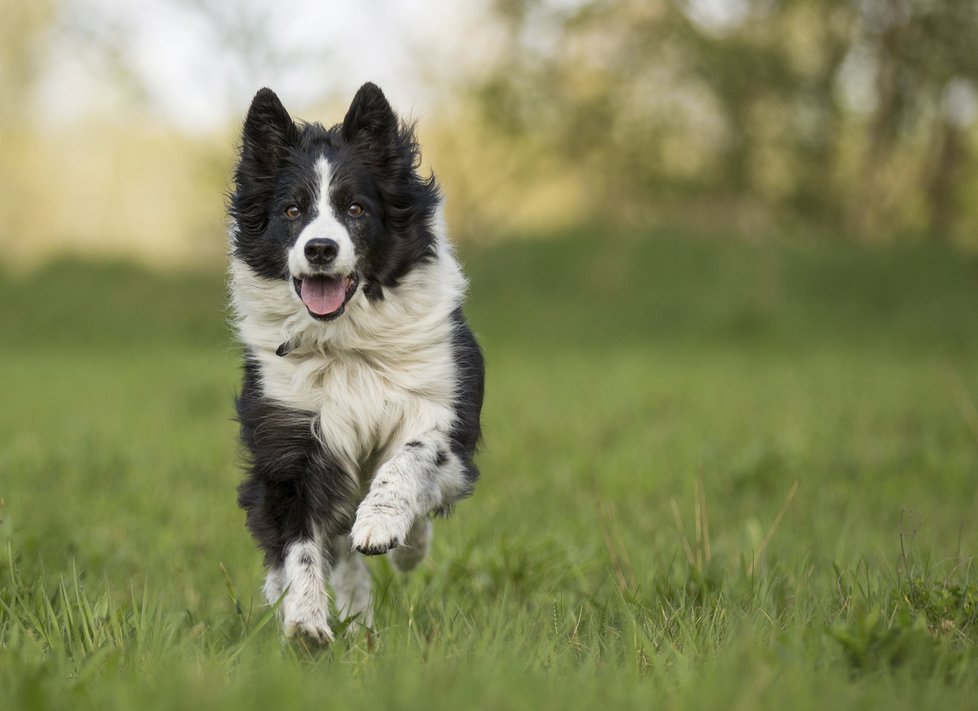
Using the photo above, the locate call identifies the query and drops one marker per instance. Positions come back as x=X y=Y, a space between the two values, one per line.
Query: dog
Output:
x=363 y=384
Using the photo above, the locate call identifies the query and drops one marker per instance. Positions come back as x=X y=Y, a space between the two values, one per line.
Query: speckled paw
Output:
x=314 y=634
x=377 y=531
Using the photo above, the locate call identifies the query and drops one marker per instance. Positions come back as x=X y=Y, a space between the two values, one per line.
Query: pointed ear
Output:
x=268 y=132
x=370 y=113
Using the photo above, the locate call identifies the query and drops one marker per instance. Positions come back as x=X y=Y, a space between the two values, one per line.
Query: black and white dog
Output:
x=362 y=382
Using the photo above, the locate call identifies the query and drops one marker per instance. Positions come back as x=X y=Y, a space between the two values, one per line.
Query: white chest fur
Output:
x=380 y=375
x=367 y=403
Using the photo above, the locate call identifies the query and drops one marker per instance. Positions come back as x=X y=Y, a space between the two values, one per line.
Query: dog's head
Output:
x=332 y=212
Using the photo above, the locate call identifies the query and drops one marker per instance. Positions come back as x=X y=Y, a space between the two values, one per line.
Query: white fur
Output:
x=305 y=608
x=350 y=581
x=404 y=490
x=324 y=225
x=274 y=585
x=381 y=375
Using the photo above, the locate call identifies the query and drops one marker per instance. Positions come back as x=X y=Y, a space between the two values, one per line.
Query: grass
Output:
x=716 y=474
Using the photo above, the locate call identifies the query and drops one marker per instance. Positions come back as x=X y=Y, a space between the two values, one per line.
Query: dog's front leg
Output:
x=305 y=607
x=300 y=583
x=296 y=499
x=422 y=476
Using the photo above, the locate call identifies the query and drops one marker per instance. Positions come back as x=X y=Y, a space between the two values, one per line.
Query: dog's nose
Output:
x=320 y=252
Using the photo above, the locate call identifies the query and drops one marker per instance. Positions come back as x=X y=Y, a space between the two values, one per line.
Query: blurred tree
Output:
x=856 y=114
x=926 y=56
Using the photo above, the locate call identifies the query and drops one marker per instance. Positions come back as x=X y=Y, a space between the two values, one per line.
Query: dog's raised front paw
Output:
x=378 y=529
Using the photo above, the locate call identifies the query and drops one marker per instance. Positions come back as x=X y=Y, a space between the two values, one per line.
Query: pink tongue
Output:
x=322 y=296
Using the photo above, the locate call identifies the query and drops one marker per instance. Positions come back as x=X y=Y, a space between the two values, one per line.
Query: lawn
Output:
x=716 y=474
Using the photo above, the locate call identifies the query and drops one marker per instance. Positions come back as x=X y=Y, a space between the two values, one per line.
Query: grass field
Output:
x=715 y=475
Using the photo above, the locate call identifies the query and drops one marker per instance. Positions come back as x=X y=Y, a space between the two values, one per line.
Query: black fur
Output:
x=293 y=479
x=376 y=158
x=470 y=365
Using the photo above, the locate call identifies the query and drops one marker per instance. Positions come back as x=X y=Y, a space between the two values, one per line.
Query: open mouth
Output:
x=325 y=297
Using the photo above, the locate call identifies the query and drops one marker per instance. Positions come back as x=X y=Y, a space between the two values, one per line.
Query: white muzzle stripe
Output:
x=324 y=226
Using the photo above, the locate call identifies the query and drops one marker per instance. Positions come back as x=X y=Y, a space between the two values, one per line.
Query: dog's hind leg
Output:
x=406 y=557
x=351 y=583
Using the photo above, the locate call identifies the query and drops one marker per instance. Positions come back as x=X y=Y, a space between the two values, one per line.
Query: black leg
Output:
x=293 y=483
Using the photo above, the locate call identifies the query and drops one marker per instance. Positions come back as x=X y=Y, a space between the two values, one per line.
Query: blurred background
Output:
x=724 y=266
x=855 y=118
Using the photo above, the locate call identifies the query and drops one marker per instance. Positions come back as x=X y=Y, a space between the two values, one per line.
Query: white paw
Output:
x=315 y=631
x=378 y=529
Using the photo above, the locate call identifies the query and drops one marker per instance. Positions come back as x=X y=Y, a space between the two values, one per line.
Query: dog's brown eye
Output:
x=292 y=212
x=355 y=210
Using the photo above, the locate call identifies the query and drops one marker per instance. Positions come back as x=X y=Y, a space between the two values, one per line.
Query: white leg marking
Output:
x=305 y=609
x=351 y=583
x=274 y=585
x=419 y=478
x=416 y=546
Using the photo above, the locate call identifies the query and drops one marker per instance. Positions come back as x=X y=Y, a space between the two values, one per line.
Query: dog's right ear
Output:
x=268 y=132
x=371 y=114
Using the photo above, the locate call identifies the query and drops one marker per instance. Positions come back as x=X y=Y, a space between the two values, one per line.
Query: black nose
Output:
x=320 y=252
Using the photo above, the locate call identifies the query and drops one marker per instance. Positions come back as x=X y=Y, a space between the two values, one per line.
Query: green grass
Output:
x=716 y=475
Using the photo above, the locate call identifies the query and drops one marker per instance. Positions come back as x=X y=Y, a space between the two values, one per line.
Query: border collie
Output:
x=362 y=381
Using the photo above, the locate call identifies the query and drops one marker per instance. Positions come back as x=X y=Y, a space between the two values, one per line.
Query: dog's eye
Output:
x=354 y=210
x=293 y=212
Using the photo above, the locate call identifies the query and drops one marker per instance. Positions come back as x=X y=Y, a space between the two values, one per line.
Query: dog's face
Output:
x=333 y=212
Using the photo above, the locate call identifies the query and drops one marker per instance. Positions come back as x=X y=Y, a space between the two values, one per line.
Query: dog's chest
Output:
x=367 y=405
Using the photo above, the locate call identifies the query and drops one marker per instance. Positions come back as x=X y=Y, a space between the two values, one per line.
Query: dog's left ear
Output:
x=370 y=113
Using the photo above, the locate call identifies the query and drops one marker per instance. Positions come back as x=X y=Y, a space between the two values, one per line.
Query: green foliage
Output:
x=698 y=455
x=870 y=642
x=947 y=606
x=928 y=628
x=835 y=113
